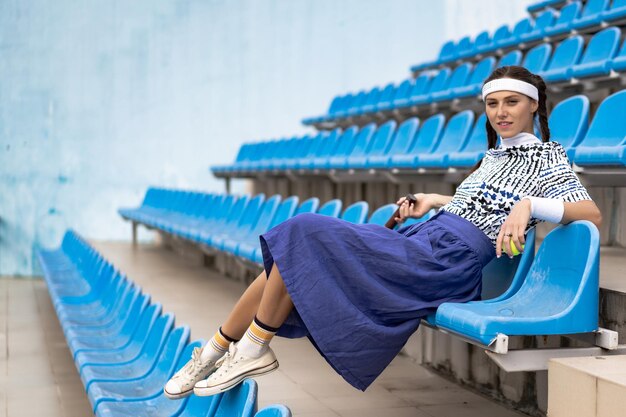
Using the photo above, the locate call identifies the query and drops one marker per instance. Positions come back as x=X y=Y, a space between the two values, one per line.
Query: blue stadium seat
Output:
x=617 y=12
x=569 y=288
x=569 y=121
x=260 y=224
x=591 y=14
x=522 y=27
x=536 y=7
x=463 y=47
x=459 y=78
x=483 y=38
x=356 y=213
x=474 y=148
x=371 y=98
x=359 y=147
x=246 y=222
x=511 y=58
x=563 y=24
x=415 y=89
x=598 y=55
x=404 y=136
x=123 y=383
x=427 y=138
x=275 y=410
x=543 y=21
x=286 y=210
x=341 y=148
x=565 y=55
x=474 y=85
x=399 y=92
x=203 y=234
x=618 y=63
x=376 y=146
x=382 y=214
x=438 y=83
x=384 y=96
x=605 y=141
x=240 y=401
x=324 y=147
x=537 y=58
x=355 y=102
x=454 y=137
x=501 y=33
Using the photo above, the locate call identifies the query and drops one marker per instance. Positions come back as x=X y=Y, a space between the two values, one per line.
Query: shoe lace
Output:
x=195 y=362
x=226 y=361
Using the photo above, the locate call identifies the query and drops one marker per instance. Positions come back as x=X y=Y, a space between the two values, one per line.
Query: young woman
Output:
x=359 y=291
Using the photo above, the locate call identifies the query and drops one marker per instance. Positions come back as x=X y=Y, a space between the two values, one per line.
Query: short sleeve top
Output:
x=506 y=175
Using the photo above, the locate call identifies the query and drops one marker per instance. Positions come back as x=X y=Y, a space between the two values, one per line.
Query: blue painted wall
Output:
x=100 y=99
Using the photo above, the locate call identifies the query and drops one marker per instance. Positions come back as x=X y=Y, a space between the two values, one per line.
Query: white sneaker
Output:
x=181 y=384
x=233 y=368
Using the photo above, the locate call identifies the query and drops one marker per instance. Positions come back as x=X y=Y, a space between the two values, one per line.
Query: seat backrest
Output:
x=316 y=144
x=537 y=58
x=428 y=135
x=569 y=121
x=602 y=46
x=356 y=213
x=382 y=138
x=267 y=212
x=440 y=82
x=569 y=282
x=422 y=84
x=157 y=336
x=403 y=91
x=567 y=53
x=608 y=127
x=329 y=143
x=251 y=213
x=482 y=71
x=285 y=210
x=372 y=97
x=382 y=214
x=544 y=20
x=274 y=410
x=460 y=75
x=235 y=213
x=523 y=26
x=308 y=206
x=405 y=134
x=335 y=104
x=346 y=141
x=456 y=132
x=482 y=39
x=464 y=46
x=501 y=33
x=503 y=277
x=618 y=4
x=238 y=401
x=568 y=14
x=358 y=100
x=477 y=140
x=387 y=94
x=447 y=51
x=331 y=208
x=512 y=58
x=594 y=7
x=343 y=103
x=363 y=140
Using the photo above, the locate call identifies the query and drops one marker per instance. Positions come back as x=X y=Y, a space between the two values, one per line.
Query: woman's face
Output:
x=510 y=113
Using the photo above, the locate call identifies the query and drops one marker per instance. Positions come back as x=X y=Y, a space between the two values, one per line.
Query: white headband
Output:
x=510 y=84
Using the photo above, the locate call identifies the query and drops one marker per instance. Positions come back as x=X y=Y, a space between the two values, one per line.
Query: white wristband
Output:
x=548 y=209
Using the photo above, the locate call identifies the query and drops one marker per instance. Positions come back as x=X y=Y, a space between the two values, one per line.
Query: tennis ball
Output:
x=514 y=250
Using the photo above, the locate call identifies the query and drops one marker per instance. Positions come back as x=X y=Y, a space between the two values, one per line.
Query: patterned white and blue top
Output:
x=522 y=166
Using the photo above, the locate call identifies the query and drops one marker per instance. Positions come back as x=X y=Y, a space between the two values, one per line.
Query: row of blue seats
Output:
x=460 y=143
x=541 y=5
x=569 y=285
x=124 y=347
x=233 y=224
x=550 y=24
x=570 y=62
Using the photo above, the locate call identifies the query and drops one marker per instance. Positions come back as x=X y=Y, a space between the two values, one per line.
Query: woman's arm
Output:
x=582 y=210
x=515 y=224
x=425 y=202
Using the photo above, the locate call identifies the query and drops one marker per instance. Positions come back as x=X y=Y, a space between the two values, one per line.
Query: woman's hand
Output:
x=513 y=229
x=424 y=203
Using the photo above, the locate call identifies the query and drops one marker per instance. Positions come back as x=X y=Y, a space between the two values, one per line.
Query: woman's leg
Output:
x=275 y=303
x=245 y=309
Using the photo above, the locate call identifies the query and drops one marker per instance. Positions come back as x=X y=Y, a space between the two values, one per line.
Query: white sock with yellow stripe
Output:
x=256 y=340
x=216 y=347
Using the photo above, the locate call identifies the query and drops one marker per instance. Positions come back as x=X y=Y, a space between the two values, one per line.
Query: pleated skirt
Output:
x=360 y=291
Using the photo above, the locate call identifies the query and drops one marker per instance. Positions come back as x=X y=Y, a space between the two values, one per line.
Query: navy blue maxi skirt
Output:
x=360 y=291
